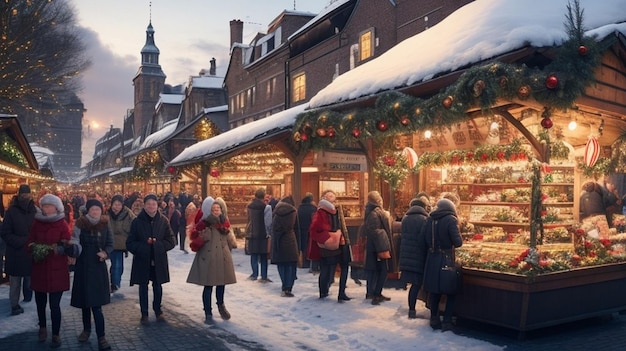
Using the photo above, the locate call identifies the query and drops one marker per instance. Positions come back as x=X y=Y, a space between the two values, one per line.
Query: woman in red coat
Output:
x=49 y=244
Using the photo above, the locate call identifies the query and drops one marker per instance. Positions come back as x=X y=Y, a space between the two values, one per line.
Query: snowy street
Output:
x=262 y=319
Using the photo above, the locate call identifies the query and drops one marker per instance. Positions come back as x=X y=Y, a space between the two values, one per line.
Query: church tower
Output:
x=148 y=83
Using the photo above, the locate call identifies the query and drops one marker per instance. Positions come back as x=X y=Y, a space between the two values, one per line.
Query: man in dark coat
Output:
x=149 y=240
x=15 y=229
x=258 y=233
x=305 y=215
x=411 y=263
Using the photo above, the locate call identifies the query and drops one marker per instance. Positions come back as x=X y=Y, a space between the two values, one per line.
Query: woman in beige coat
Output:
x=213 y=264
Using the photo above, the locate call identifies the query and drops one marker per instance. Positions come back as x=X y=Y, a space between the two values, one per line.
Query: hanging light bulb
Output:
x=572 y=125
x=428 y=134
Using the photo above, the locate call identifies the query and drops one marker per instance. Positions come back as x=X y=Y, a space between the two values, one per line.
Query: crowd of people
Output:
x=49 y=235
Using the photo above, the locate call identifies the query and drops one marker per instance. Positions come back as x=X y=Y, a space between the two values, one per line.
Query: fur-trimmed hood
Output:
x=84 y=224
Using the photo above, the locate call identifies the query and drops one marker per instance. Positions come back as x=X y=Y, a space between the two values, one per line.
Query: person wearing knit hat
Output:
x=50 y=275
x=53 y=200
x=149 y=240
x=379 y=247
x=213 y=263
x=411 y=263
x=443 y=225
x=93 y=202
x=120 y=219
x=90 y=289
x=23 y=189
x=14 y=229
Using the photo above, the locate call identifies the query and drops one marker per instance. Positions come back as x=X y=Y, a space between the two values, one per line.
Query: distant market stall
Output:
x=18 y=164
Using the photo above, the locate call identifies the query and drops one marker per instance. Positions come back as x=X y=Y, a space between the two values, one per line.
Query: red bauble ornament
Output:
x=547 y=123
x=552 y=81
x=500 y=155
x=356 y=132
x=214 y=173
x=382 y=126
x=389 y=161
x=469 y=155
x=405 y=121
x=447 y=102
x=321 y=132
x=484 y=157
x=171 y=169
x=331 y=132
x=582 y=50
x=304 y=137
x=523 y=91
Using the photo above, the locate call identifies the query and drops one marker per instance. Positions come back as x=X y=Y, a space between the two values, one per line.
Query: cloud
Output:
x=107 y=89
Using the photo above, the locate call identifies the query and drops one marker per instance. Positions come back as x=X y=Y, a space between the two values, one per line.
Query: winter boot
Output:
x=56 y=342
x=84 y=336
x=412 y=314
x=223 y=312
x=103 y=344
x=43 y=334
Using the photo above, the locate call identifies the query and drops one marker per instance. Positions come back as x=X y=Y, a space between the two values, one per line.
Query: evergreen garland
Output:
x=556 y=85
x=10 y=152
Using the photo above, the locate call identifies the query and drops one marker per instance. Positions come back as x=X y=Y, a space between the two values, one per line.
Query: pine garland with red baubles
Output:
x=556 y=85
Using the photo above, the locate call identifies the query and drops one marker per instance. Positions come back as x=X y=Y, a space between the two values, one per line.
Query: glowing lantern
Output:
x=592 y=152
x=411 y=157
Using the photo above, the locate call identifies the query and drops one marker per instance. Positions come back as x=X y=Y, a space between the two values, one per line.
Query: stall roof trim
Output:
x=239 y=136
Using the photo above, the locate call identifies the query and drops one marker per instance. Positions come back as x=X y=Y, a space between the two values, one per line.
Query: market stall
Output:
x=513 y=140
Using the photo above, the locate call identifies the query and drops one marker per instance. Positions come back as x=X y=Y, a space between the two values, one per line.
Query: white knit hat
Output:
x=54 y=200
x=206 y=207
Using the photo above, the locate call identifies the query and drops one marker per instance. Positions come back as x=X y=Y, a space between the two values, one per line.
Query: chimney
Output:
x=212 y=69
x=236 y=32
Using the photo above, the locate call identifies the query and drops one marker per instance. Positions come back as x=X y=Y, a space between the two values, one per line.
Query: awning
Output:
x=239 y=137
x=103 y=172
x=121 y=171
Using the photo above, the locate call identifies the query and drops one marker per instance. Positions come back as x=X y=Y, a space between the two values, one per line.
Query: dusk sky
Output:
x=188 y=34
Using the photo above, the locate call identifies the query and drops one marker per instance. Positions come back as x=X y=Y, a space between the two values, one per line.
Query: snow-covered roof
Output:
x=38 y=149
x=478 y=31
x=103 y=172
x=221 y=108
x=173 y=99
x=328 y=9
x=121 y=171
x=160 y=135
x=208 y=82
x=238 y=136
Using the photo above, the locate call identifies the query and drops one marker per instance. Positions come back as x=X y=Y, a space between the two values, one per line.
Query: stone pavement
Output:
x=124 y=332
x=180 y=332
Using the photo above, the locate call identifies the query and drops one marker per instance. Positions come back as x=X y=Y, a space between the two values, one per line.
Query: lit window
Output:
x=366 y=45
x=299 y=88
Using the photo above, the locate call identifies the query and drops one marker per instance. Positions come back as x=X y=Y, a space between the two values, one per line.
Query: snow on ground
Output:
x=259 y=313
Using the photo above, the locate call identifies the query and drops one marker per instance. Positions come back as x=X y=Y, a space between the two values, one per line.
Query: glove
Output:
x=58 y=249
x=70 y=250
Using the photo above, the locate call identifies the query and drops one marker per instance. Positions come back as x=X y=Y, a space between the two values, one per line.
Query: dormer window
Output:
x=366 y=44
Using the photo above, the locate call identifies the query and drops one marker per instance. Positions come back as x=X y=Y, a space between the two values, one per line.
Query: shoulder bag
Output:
x=441 y=275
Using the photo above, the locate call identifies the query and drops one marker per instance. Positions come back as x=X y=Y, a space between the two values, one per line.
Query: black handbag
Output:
x=441 y=274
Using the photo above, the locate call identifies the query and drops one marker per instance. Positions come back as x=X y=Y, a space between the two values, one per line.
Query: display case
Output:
x=347 y=187
x=495 y=201
x=238 y=196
